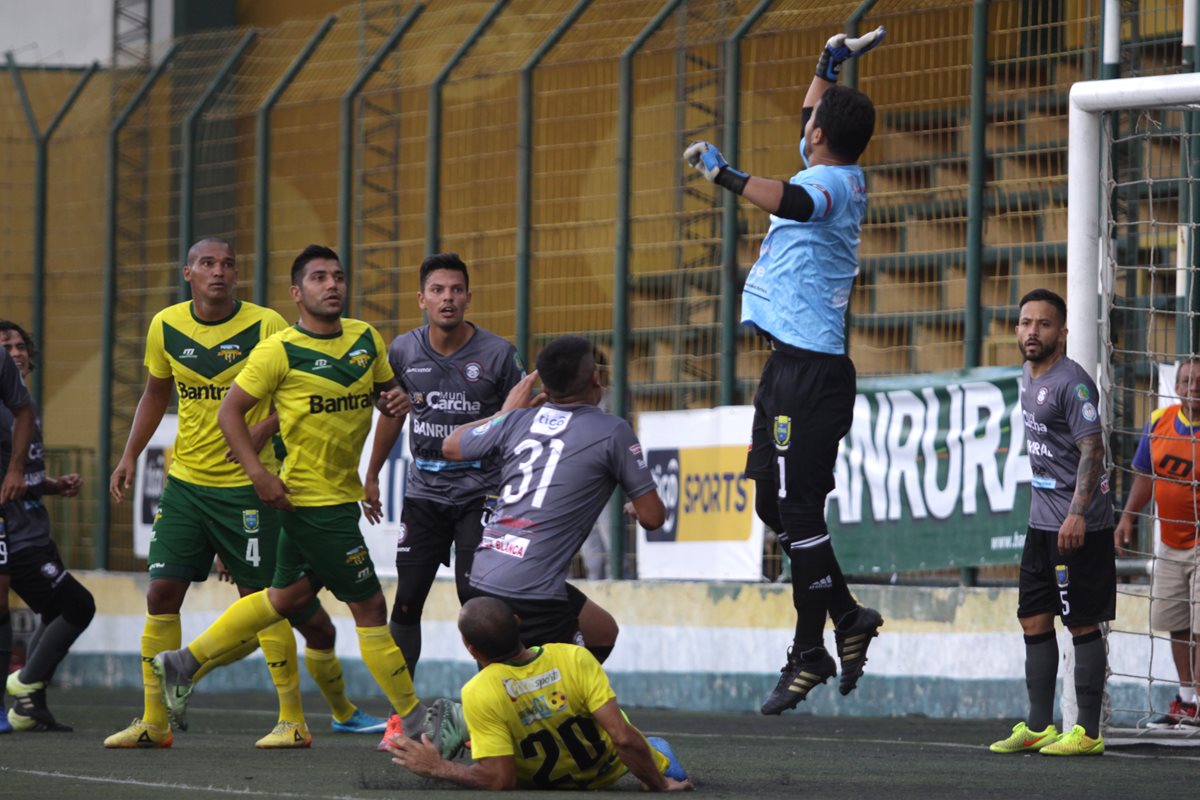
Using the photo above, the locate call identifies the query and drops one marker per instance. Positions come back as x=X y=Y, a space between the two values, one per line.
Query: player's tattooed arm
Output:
x=1087 y=474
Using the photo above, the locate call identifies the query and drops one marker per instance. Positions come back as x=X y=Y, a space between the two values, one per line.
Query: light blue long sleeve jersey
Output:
x=799 y=287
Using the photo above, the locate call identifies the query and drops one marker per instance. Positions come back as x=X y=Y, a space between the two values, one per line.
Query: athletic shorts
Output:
x=195 y=522
x=35 y=573
x=546 y=621
x=428 y=529
x=1081 y=587
x=803 y=407
x=324 y=544
x=1175 y=590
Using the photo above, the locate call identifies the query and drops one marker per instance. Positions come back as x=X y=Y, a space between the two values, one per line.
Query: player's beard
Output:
x=1047 y=349
x=317 y=310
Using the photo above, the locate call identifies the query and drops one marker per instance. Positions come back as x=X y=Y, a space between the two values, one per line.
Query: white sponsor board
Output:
x=148 y=483
x=698 y=458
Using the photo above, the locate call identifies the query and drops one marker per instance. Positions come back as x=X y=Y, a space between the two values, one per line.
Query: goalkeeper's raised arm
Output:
x=836 y=137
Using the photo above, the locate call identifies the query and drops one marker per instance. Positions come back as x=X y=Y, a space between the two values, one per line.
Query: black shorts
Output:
x=803 y=407
x=428 y=529
x=35 y=573
x=546 y=621
x=1081 y=587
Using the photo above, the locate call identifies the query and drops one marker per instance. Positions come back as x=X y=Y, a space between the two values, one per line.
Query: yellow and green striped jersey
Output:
x=323 y=390
x=202 y=359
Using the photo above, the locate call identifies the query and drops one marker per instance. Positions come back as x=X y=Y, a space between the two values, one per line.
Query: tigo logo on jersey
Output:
x=250 y=520
x=706 y=493
x=550 y=421
x=230 y=352
x=360 y=358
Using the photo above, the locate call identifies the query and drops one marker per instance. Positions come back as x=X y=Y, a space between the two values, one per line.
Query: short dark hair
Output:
x=1046 y=296
x=191 y=254
x=310 y=253
x=560 y=365
x=489 y=626
x=30 y=346
x=444 y=261
x=847 y=116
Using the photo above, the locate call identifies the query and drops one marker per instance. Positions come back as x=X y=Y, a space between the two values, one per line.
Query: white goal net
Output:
x=1133 y=222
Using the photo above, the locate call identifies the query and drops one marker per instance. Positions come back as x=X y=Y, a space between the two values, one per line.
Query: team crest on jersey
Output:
x=1089 y=412
x=251 y=520
x=357 y=557
x=230 y=351
x=360 y=358
x=473 y=371
x=402 y=535
x=417 y=399
x=49 y=570
x=557 y=700
x=1041 y=398
x=1081 y=391
x=1061 y=576
x=783 y=432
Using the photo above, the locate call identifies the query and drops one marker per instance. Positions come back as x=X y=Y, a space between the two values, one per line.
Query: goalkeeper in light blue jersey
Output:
x=796 y=297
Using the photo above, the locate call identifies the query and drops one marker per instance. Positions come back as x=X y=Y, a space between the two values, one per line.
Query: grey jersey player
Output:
x=1068 y=565
x=454 y=372
x=29 y=560
x=561 y=461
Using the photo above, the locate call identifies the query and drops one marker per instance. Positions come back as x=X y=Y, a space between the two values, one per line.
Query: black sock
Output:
x=819 y=589
x=408 y=639
x=51 y=649
x=5 y=644
x=1041 y=670
x=1091 y=662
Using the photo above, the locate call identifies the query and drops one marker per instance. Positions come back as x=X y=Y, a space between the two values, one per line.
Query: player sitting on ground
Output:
x=540 y=718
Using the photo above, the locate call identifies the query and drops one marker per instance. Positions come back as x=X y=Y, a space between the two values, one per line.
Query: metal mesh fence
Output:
x=441 y=91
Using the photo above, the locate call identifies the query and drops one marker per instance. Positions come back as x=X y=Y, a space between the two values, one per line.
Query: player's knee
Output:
x=75 y=603
x=407 y=612
x=317 y=628
x=802 y=519
x=766 y=504
x=165 y=596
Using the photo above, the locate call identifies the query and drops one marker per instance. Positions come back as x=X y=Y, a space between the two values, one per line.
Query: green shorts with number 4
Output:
x=325 y=544
x=194 y=523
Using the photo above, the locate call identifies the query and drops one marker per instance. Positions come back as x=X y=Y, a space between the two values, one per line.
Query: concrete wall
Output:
x=943 y=652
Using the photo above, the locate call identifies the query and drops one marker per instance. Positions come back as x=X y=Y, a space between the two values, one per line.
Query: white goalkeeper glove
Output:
x=713 y=166
x=839 y=50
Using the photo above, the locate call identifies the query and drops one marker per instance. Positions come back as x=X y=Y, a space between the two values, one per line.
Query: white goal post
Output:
x=1127 y=321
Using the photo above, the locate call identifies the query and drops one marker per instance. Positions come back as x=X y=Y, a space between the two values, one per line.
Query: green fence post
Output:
x=262 y=187
x=729 y=207
x=346 y=143
x=433 y=139
x=104 y=450
x=620 y=337
x=187 y=169
x=850 y=68
x=525 y=172
x=41 y=166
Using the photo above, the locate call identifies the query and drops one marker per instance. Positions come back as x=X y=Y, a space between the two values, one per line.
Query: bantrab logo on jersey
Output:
x=550 y=421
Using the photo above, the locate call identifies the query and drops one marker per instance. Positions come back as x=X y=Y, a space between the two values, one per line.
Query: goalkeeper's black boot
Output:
x=29 y=711
x=853 y=635
x=799 y=676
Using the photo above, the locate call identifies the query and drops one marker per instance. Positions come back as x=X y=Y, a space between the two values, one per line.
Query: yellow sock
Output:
x=161 y=632
x=386 y=663
x=279 y=648
x=326 y=672
x=241 y=621
x=228 y=657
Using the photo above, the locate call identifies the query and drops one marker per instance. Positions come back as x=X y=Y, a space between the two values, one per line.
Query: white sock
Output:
x=1187 y=694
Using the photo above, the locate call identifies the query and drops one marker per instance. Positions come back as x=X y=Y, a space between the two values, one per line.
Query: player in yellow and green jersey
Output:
x=324 y=376
x=540 y=718
x=209 y=506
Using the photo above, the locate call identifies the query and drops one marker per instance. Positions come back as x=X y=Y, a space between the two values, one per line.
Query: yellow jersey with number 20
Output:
x=540 y=713
x=323 y=390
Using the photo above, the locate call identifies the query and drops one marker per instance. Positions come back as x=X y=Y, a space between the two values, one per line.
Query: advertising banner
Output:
x=932 y=474
x=698 y=458
x=152 y=466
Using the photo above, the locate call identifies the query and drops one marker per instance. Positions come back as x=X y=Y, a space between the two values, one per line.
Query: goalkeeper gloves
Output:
x=839 y=49
x=713 y=166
